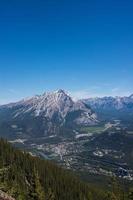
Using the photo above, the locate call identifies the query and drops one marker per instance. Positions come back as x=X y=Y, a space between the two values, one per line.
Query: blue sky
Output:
x=84 y=47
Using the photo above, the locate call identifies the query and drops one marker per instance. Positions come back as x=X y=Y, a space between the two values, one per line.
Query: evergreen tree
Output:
x=38 y=188
x=130 y=195
x=50 y=195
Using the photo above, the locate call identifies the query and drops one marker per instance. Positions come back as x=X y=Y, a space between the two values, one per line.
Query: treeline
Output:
x=25 y=177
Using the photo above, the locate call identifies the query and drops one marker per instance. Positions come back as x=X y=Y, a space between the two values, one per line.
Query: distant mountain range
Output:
x=112 y=107
x=117 y=103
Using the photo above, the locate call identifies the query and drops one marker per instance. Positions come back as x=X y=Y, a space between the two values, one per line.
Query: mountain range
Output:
x=58 y=107
x=45 y=114
x=57 y=113
x=117 y=103
x=112 y=107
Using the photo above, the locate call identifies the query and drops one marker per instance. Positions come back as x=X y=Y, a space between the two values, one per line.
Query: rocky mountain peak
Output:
x=53 y=107
x=60 y=91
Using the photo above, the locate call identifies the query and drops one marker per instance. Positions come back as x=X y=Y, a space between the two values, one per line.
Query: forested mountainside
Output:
x=25 y=177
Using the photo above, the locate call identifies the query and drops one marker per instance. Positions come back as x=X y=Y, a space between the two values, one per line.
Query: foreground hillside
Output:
x=26 y=177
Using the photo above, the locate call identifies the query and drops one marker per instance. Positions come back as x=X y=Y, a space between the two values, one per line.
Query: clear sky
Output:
x=82 y=46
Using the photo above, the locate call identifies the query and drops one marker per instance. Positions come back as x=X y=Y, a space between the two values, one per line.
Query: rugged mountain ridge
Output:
x=114 y=107
x=117 y=103
x=47 y=113
x=50 y=104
